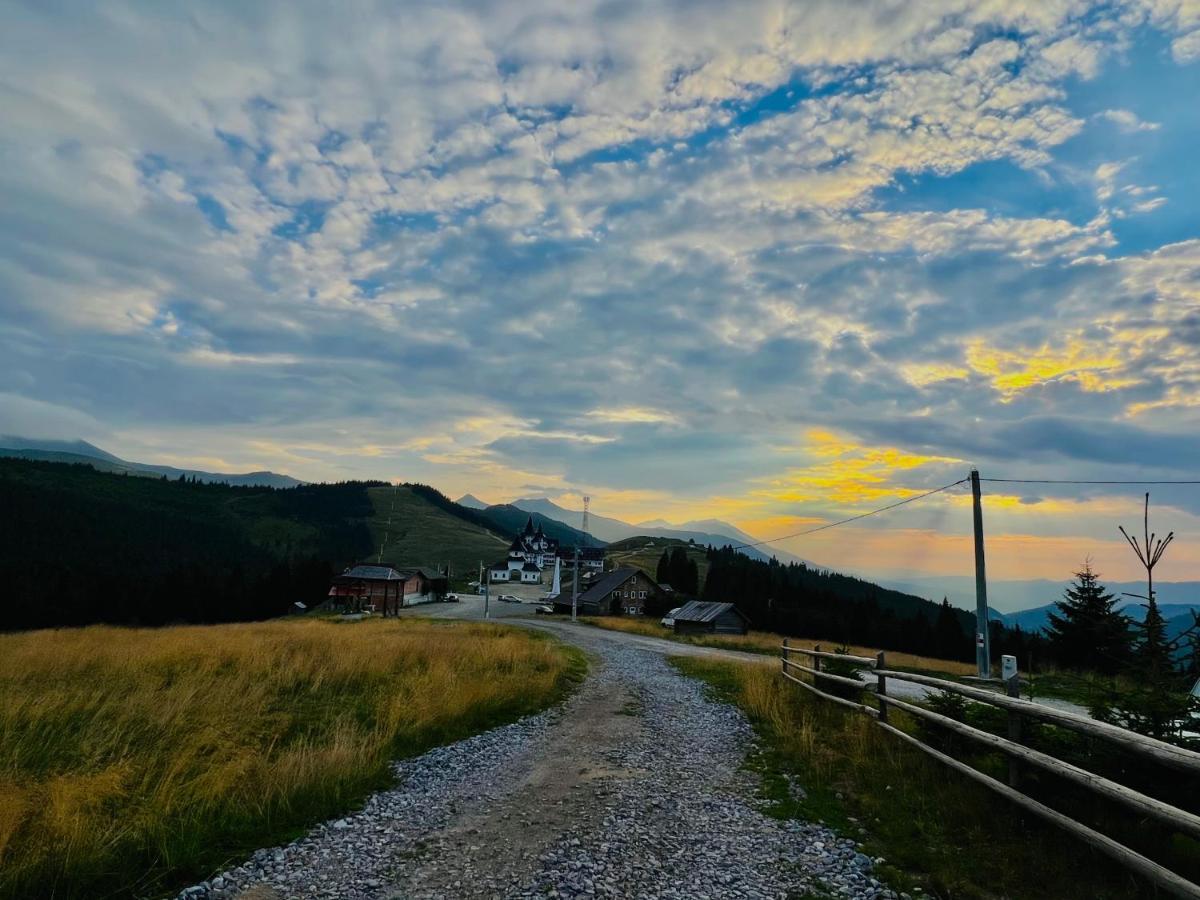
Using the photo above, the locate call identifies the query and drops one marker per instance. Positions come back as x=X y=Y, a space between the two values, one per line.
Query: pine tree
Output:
x=948 y=637
x=663 y=573
x=1087 y=631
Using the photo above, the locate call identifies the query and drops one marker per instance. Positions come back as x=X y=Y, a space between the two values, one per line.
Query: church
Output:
x=529 y=555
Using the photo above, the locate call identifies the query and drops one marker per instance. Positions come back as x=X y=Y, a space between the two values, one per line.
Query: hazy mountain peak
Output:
x=470 y=501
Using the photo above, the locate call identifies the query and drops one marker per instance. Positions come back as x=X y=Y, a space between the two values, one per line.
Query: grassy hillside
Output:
x=134 y=761
x=79 y=546
x=644 y=553
x=422 y=533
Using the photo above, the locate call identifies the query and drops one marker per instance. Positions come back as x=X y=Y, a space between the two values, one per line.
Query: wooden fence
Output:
x=1178 y=758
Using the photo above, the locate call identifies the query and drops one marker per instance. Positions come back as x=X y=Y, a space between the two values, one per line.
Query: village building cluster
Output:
x=530 y=554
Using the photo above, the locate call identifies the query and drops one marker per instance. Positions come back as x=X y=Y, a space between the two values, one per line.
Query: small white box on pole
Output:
x=1008 y=666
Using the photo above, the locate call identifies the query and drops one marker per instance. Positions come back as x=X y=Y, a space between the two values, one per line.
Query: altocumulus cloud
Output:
x=595 y=247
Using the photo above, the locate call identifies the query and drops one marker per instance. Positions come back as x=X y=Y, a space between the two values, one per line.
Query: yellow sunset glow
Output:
x=1093 y=368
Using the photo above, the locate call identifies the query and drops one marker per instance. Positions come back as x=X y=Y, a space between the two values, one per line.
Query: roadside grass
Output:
x=135 y=760
x=421 y=534
x=767 y=643
x=935 y=829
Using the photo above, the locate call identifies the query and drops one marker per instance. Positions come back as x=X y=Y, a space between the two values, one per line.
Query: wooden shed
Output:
x=706 y=617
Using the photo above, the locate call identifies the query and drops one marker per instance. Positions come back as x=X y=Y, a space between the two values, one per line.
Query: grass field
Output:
x=935 y=829
x=768 y=643
x=420 y=534
x=132 y=760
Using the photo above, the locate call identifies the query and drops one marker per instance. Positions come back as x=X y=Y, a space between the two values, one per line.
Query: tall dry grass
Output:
x=132 y=758
x=768 y=643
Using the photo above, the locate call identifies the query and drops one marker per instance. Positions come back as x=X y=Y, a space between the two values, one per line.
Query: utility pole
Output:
x=485 y=589
x=575 y=587
x=983 y=654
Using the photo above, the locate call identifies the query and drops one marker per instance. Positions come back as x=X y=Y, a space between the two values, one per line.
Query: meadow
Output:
x=768 y=643
x=933 y=829
x=134 y=760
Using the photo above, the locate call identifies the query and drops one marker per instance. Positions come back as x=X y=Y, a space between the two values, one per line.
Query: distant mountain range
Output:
x=81 y=452
x=1012 y=599
x=470 y=501
x=703 y=532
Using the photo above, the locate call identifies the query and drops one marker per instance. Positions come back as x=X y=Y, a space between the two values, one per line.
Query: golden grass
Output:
x=768 y=643
x=130 y=758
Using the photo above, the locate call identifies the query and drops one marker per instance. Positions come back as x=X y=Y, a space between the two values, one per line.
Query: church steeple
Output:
x=529 y=527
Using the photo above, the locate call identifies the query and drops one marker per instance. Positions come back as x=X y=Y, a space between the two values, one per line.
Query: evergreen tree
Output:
x=1087 y=631
x=692 y=579
x=677 y=570
x=663 y=573
x=948 y=637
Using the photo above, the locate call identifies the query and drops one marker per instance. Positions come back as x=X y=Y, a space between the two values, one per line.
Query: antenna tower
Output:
x=587 y=502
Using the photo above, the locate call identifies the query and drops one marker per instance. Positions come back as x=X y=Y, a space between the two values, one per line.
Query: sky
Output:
x=775 y=263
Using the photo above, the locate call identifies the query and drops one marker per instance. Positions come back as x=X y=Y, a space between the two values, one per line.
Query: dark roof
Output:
x=605 y=584
x=517 y=544
x=424 y=571
x=529 y=525
x=503 y=564
x=368 y=572
x=530 y=567
x=705 y=611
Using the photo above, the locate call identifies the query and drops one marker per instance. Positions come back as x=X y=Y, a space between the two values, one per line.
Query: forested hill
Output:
x=802 y=600
x=79 y=546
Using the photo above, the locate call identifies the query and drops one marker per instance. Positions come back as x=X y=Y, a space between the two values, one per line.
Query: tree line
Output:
x=79 y=546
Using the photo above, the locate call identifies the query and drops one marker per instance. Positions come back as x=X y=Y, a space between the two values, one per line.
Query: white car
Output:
x=668 y=621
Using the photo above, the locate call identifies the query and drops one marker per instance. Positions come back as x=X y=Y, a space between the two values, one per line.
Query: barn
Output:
x=706 y=617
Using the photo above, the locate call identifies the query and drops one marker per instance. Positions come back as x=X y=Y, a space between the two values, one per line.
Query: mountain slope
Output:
x=470 y=501
x=509 y=520
x=414 y=528
x=609 y=530
x=81 y=452
x=79 y=546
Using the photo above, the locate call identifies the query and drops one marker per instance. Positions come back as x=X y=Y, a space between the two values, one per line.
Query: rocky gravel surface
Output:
x=634 y=788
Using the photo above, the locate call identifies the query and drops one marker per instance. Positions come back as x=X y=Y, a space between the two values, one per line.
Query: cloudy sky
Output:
x=778 y=263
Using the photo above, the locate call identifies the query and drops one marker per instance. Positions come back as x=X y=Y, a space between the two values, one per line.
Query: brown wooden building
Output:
x=385 y=588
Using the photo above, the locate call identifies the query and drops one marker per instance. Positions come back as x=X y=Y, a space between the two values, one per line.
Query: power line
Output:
x=1077 y=481
x=873 y=512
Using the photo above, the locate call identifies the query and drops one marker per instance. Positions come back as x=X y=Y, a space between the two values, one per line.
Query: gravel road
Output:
x=633 y=788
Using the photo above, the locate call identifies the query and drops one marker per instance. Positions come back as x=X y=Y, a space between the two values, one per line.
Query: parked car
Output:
x=508 y=598
x=544 y=610
x=668 y=621
x=450 y=598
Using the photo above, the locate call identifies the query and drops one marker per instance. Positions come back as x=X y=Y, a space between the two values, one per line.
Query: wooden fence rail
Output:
x=1167 y=754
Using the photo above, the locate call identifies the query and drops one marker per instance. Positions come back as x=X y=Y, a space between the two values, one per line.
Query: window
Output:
x=642 y=595
x=616 y=595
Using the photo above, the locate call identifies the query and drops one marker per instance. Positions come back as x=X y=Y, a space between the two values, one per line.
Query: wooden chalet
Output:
x=386 y=588
x=622 y=591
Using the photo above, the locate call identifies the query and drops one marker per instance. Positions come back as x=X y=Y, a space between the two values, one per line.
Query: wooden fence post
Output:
x=881 y=687
x=816 y=664
x=784 y=657
x=1013 y=689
